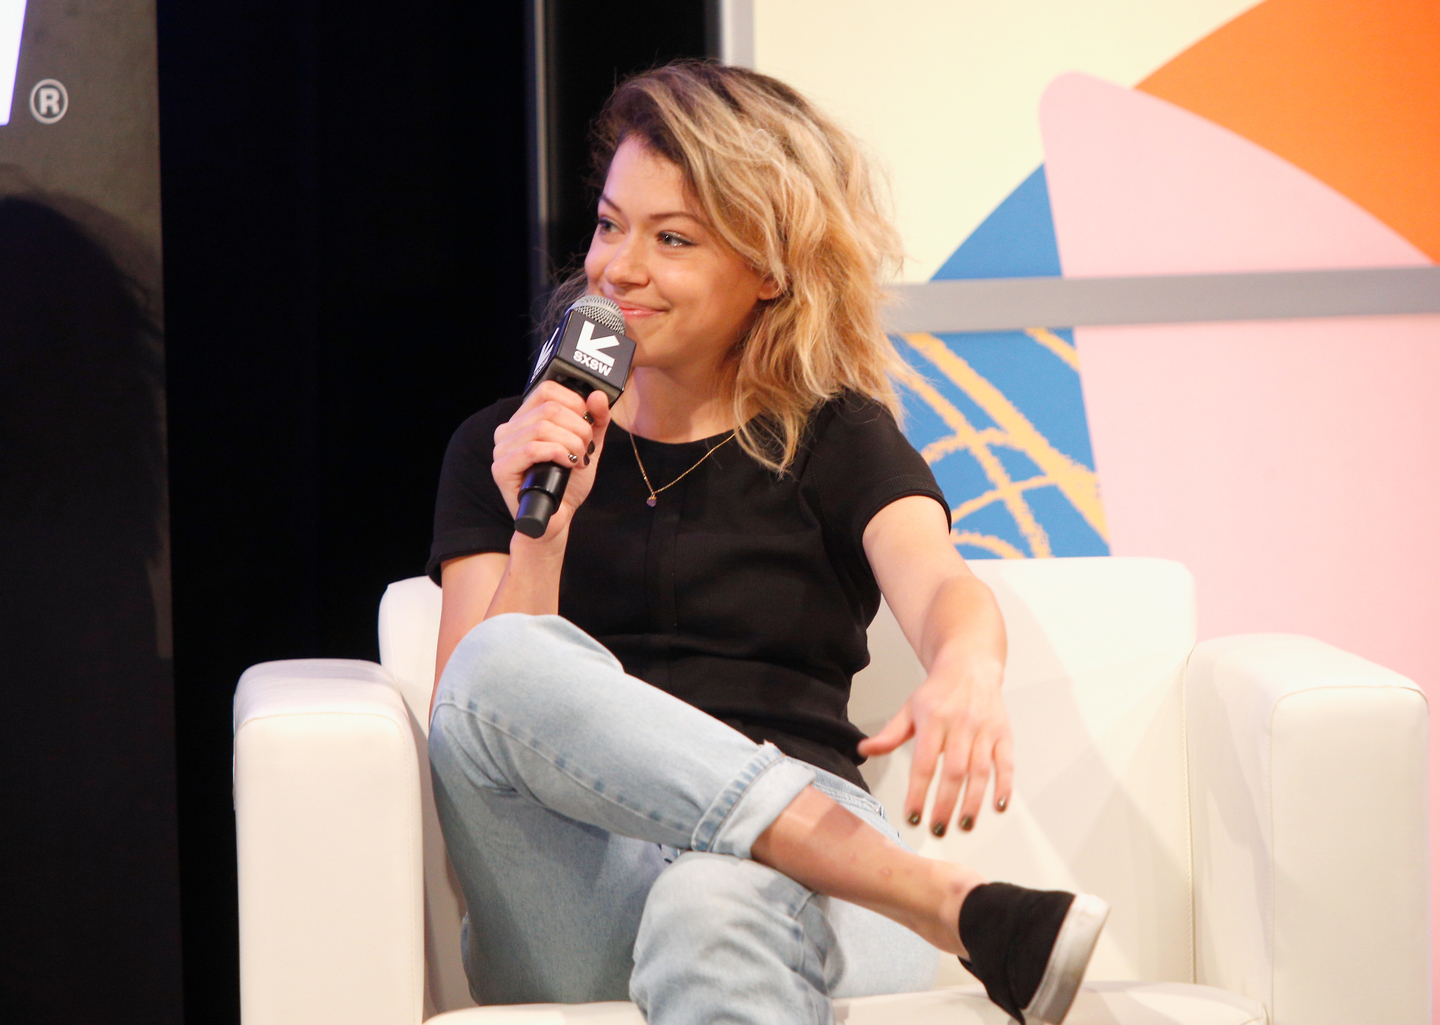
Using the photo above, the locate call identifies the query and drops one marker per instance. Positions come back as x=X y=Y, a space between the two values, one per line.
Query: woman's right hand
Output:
x=550 y=426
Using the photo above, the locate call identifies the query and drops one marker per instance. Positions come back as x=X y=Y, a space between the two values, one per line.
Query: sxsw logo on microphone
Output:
x=547 y=353
x=12 y=21
x=590 y=351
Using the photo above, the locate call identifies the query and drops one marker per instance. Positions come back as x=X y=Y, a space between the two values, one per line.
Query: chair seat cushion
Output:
x=1099 y=1003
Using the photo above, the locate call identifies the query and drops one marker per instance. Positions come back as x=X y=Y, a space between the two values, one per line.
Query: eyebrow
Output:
x=655 y=217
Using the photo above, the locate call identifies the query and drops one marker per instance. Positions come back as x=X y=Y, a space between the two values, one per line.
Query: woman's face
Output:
x=686 y=296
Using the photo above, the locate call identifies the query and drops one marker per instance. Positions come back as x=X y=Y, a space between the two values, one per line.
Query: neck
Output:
x=662 y=406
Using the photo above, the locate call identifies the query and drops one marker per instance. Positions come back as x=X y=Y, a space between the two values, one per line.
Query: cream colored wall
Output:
x=947 y=91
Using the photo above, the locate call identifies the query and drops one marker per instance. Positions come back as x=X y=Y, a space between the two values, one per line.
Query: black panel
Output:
x=346 y=240
x=90 y=912
x=591 y=48
x=347 y=278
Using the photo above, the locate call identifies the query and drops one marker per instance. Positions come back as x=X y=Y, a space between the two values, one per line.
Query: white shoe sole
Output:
x=1074 y=944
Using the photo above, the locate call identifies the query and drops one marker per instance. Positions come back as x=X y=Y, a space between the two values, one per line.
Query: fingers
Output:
x=599 y=410
x=977 y=779
x=552 y=425
x=597 y=414
x=549 y=391
x=551 y=411
x=954 y=772
x=1004 y=773
x=541 y=442
x=550 y=416
x=964 y=768
x=922 y=769
x=899 y=729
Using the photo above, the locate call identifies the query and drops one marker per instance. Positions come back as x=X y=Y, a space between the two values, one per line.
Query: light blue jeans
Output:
x=601 y=831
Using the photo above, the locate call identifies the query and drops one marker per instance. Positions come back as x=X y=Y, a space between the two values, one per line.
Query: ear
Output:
x=768 y=289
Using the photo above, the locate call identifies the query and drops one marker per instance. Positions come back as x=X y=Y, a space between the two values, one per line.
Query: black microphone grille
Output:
x=605 y=312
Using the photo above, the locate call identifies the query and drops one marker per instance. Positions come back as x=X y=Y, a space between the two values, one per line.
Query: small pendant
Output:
x=650 y=501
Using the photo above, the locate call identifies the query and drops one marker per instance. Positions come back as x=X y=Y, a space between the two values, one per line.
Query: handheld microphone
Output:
x=587 y=352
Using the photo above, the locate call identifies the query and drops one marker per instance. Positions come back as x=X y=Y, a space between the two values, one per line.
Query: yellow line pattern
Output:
x=968 y=438
x=986 y=542
x=1057 y=345
x=981 y=501
x=1074 y=480
x=942 y=447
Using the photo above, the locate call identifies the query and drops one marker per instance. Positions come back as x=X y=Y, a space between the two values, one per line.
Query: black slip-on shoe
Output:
x=1030 y=947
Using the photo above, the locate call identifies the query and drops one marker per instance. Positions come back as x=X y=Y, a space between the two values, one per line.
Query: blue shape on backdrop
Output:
x=1043 y=386
x=1016 y=240
x=1017 y=464
x=1069 y=533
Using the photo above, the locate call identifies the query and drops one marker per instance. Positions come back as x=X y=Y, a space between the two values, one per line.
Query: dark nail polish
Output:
x=967 y=823
x=587 y=460
x=1002 y=804
x=914 y=818
x=591 y=449
x=938 y=829
x=588 y=418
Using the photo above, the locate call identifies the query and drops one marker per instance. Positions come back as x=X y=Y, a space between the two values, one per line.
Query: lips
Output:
x=635 y=315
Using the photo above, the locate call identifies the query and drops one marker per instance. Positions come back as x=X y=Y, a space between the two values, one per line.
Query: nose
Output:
x=625 y=266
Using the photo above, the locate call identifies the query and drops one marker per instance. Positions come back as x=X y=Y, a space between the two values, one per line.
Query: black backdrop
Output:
x=347 y=251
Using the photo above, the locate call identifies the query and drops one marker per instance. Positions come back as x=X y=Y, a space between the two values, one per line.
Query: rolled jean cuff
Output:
x=752 y=800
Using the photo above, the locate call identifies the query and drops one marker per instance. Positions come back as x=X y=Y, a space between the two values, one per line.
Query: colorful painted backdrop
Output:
x=1292 y=465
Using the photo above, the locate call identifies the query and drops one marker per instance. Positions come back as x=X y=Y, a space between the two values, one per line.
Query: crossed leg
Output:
x=558 y=777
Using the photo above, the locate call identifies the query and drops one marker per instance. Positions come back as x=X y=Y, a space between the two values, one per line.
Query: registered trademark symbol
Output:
x=49 y=101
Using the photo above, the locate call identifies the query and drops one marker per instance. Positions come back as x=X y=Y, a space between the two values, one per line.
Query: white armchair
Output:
x=1253 y=808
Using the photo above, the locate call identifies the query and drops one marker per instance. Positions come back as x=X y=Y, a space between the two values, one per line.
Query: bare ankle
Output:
x=821 y=844
x=955 y=882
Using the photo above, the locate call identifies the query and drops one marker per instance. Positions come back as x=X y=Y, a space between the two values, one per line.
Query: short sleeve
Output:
x=861 y=462
x=470 y=513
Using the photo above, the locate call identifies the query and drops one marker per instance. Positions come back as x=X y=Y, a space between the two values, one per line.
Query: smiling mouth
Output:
x=630 y=310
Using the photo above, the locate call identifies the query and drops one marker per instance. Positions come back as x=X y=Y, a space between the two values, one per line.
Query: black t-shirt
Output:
x=745 y=595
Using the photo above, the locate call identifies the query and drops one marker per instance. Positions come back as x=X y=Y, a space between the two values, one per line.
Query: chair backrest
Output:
x=1097 y=650
x=1093 y=684
x=409 y=631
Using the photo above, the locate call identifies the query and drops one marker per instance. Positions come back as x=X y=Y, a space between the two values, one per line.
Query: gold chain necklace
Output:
x=646 y=477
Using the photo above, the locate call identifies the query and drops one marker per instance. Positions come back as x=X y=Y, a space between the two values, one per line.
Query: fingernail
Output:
x=588 y=418
x=587 y=458
x=914 y=818
x=938 y=829
x=591 y=449
x=1002 y=804
x=967 y=823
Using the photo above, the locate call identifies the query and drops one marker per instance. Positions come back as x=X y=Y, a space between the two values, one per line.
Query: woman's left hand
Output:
x=957 y=716
x=959 y=722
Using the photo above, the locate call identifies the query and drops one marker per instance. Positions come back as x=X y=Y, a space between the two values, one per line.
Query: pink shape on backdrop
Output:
x=1289 y=464
x=1292 y=465
x=1141 y=186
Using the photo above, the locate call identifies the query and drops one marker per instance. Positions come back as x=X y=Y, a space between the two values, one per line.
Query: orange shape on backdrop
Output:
x=1348 y=91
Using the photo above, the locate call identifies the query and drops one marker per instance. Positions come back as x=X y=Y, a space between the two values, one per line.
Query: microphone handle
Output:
x=540 y=493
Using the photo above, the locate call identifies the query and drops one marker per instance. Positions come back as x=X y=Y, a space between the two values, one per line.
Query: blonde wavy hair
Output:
x=793 y=194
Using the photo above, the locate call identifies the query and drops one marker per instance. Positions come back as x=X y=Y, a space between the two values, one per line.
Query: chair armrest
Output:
x=1310 y=818
x=327 y=818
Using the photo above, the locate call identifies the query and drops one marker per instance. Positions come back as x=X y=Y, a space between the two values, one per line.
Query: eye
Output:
x=604 y=224
x=671 y=240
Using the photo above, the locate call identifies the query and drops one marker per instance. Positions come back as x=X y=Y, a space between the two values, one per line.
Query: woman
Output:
x=654 y=793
